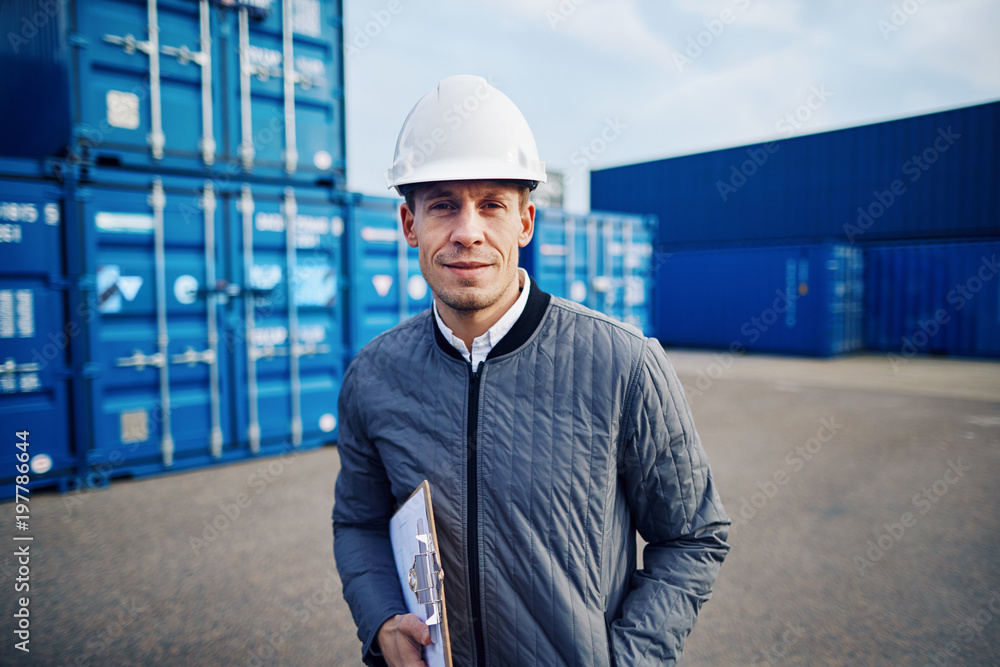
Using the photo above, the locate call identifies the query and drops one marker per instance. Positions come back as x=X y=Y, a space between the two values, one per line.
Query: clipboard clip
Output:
x=426 y=575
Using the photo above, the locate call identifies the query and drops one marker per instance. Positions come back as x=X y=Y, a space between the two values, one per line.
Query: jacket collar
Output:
x=519 y=334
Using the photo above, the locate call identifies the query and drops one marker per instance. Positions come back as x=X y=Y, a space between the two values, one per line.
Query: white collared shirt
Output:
x=483 y=345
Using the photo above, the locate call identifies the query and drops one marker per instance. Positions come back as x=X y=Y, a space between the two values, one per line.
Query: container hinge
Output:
x=78 y=40
x=268 y=352
x=310 y=349
x=192 y=357
x=129 y=43
x=28 y=381
x=184 y=55
x=139 y=361
x=90 y=370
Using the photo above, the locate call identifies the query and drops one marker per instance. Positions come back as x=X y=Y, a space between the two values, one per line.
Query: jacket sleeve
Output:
x=362 y=507
x=676 y=509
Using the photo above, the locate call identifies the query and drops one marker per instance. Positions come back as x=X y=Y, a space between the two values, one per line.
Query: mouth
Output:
x=467 y=269
x=466 y=265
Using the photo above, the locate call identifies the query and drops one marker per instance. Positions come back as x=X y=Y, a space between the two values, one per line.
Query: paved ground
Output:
x=867 y=533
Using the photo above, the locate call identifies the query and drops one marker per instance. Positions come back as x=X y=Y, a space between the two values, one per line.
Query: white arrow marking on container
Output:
x=382 y=283
x=129 y=286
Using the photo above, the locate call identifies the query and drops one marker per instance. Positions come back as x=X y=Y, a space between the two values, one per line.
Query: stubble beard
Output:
x=469 y=296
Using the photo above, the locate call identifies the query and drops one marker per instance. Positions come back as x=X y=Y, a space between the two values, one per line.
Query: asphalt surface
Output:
x=867 y=532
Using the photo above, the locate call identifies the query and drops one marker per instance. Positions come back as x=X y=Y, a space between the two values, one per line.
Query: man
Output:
x=549 y=433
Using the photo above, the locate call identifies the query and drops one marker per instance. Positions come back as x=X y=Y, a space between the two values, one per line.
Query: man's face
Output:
x=468 y=234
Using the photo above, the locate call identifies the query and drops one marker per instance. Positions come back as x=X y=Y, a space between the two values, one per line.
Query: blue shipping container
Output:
x=235 y=87
x=287 y=334
x=931 y=176
x=212 y=319
x=933 y=299
x=386 y=286
x=35 y=336
x=602 y=260
x=793 y=299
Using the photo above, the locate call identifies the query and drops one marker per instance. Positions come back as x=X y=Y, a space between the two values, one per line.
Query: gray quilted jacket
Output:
x=572 y=435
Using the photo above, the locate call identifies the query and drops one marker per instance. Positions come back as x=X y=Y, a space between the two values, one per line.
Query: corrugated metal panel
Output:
x=386 y=286
x=930 y=176
x=155 y=257
x=34 y=75
x=213 y=321
x=34 y=335
x=933 y=299
x=795 y=299
x=256 y=87
x=305 y=136
x=289 y=343
x=602 y=260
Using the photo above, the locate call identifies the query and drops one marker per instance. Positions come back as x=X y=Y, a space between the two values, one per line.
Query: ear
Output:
x=527 y=225
x=407 y=220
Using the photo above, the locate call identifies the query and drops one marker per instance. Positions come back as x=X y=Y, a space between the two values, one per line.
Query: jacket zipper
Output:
x=473 y=498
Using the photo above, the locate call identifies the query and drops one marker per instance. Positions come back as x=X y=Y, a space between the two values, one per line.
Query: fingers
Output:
x=411 y=625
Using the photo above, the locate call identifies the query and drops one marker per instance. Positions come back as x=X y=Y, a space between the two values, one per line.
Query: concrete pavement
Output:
x=865 y=502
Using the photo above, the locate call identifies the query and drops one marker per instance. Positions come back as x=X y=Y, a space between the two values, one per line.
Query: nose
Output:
x=468 y=228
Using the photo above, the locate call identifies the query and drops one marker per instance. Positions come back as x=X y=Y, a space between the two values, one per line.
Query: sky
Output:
x=610 y=82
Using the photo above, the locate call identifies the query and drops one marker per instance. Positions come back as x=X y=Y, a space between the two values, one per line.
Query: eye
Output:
x=440 y=206
x=492 y=204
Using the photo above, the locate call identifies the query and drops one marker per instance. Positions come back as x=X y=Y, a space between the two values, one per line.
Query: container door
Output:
x=933 y=298
x=637 y=257
x=145 y=76
x=157 y=398
x=548 y=257
x=34 y=336
x=386 y=284
x=288 y=104
x=289 y=339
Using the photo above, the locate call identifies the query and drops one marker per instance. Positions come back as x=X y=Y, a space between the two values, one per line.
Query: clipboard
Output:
x=418 y=566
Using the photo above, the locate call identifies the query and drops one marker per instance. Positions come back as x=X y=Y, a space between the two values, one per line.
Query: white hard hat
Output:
x=463 y=130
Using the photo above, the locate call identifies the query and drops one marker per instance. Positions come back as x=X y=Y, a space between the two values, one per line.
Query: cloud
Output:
x=957 y=39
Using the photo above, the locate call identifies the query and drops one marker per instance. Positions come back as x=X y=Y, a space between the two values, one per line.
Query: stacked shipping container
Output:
x=602 y=260
x=182 y=276
x=931 y=178
x=188 y=158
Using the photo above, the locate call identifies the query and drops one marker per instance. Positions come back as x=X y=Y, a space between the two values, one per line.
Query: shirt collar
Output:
x=484 y=344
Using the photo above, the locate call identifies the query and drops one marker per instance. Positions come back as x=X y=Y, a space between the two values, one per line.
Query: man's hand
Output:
x=401 y=639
